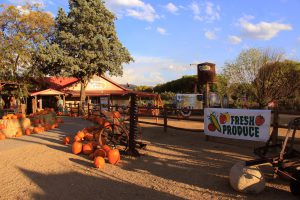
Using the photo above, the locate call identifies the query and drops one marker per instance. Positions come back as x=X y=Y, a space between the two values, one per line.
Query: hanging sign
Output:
x=237 y=123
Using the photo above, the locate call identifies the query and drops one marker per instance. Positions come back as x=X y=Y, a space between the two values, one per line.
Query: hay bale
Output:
x=13 y=125
x=246 y=179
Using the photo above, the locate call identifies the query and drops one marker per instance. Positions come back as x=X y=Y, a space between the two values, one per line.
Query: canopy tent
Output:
x=47 y=92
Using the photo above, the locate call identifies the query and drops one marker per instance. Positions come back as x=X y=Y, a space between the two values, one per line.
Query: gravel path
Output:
x=176 y=165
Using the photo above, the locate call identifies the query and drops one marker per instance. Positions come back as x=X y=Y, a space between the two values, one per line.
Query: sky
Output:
x=165 y=37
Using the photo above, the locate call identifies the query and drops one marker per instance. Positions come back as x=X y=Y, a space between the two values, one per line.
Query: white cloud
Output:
x=234 y=39
x=149 y=70
x=133 y=8
x=211 y=35
x=161 y=30
x=207 y=11
x=148 y=28
x=172 y=8
x=262 y=30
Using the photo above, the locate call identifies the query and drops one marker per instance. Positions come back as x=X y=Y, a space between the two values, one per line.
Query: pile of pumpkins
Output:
x=87 y=142
x=39 y=127
x=13 y=116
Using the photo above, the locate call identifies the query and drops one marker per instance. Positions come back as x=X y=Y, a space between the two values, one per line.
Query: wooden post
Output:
x=206 y=103
x=88 y=110
x=165 y=120
x=274 y=134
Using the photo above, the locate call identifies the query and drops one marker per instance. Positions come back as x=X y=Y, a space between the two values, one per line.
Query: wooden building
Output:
x=99 y=90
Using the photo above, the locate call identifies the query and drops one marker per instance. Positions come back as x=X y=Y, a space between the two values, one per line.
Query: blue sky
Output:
x=165 y=37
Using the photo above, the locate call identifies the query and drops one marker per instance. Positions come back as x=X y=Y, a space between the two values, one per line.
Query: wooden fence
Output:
x=164 y=113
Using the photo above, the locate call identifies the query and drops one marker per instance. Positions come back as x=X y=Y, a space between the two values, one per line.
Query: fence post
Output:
x=165 y=119
x=275 y=126
x=88 y=110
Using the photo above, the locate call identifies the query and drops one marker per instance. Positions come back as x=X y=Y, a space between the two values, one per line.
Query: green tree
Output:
x=245 y=67
x=144 y=88
x=244 y=70
x=186 y=84
x=85 y=43
x=276 y=81
x=22 y=30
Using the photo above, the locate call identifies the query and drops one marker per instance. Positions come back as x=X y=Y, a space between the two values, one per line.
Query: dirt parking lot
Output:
x=175 y=165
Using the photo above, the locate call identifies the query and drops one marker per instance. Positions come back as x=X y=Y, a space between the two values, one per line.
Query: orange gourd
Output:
x=99 y=162
x=27 y=131
x=14 y=117
x=113 y=156
x=4 y=117
x=66 y=140
x=76 y=147
x=87 y=149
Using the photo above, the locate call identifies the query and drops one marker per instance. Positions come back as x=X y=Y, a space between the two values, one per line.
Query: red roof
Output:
x=58 y=83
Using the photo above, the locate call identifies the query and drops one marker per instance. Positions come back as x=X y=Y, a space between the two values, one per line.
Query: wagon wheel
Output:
x=116 y=135
x=295 y=184
x=185 y=112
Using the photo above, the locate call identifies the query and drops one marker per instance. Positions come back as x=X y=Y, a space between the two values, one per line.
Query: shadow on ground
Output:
x=78 y=186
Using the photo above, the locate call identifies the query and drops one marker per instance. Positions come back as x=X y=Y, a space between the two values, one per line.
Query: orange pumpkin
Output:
x=113 y=156
x=53 y=126
x=89 y=136
x=38 y=130
x=116 y=115
x=19 y=133
x=2 y=126
x=67 y=140
x=14 y=117
x=100 y=152
x=76 y=147
x=23 y=116
x=2 y=136
x=27 y=131
x=106 y=148
x=99 y=162
x=80 y=134
x=106 y=125
x=4 y=117
x=77 y=138
x=87 y=149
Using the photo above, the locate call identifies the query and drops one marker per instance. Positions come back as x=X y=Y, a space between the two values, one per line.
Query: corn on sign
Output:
x=237 y=123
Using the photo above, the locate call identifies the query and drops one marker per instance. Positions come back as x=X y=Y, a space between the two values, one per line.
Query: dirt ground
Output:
x=175 y=165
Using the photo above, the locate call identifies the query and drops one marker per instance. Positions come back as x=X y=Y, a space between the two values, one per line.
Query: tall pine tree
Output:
x=85 y=44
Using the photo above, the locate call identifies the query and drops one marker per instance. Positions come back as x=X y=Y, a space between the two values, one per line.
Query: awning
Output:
x=47 y=92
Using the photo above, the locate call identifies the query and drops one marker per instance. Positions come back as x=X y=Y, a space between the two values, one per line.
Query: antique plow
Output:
x=284 y=158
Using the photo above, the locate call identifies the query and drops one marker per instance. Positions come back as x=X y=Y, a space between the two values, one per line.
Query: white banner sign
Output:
x=237 y=123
